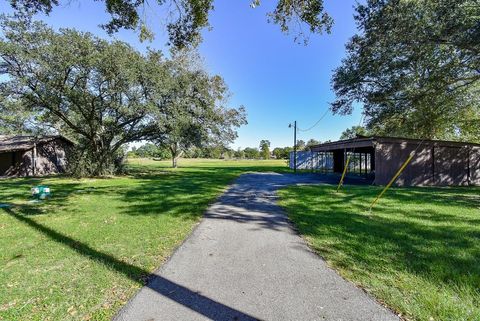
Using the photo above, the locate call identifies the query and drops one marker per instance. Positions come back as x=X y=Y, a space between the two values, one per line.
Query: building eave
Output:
x=362 y=142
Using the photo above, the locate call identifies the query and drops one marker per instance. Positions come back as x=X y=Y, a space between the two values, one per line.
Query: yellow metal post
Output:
x=343 y=174
x=392 y=180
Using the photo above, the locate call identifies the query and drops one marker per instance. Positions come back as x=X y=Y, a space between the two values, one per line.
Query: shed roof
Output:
x=11 y=143
x=362 y=141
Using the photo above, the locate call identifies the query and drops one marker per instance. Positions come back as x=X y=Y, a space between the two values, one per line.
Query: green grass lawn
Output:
x=418 y=251
x=82 y=254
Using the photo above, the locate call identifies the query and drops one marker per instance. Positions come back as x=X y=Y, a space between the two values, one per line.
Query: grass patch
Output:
x=418 y=251
x=85 y=252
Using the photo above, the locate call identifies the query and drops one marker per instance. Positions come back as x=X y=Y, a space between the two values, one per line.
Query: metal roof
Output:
x=363 y=141
x=11 y=143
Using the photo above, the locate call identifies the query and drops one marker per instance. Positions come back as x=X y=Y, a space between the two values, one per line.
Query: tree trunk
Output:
x=174 y=162
x=176 y=153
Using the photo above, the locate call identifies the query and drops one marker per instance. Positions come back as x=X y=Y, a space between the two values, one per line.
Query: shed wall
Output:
x=433 y=164
x=451 y=165
x=50 y=158
x=14 y=163
x=475 y=166
x=6 y=160
x=391 y=156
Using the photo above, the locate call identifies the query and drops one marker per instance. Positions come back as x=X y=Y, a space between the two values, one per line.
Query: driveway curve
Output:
x=244 y=261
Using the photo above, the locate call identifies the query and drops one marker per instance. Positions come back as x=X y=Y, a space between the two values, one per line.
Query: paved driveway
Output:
x=245 y=262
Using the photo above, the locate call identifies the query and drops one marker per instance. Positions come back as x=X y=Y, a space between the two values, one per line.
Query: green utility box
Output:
x=41 y=192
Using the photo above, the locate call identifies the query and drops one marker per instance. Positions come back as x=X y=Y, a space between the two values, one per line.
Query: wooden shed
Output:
x=33 y=155
x=435 y=162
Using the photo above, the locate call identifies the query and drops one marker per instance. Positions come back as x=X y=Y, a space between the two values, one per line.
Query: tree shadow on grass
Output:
x=182 y=295
x=18 y=191
x=178 y=194
x=251 y=199
x=467 y=197
x=435 y=245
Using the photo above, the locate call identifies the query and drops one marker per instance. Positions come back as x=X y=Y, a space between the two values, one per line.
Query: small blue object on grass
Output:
x=41 y=192
x=3 y=205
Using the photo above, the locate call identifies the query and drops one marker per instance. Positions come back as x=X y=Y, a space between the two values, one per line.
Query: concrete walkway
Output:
x=245 y=262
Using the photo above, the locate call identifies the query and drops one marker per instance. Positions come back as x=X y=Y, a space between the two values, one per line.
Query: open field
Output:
x=418 y=251
x=85 y=252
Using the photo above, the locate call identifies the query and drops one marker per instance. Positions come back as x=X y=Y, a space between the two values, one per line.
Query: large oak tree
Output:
x=415 y=66
x=101 y=94
x=200 y=115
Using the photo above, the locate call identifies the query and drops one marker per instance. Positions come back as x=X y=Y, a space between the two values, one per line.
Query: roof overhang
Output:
x=344 y=144
x=22 y=143
x=365 y=142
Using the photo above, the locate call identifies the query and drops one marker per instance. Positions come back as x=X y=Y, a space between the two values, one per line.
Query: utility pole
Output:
x=294 y=145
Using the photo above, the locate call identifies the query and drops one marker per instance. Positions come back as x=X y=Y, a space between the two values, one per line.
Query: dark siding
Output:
x=432 y=164
x=451 y=165
x=338 y=161
x=51 y=158
x=6 y=160
x=391 y=156
x=475 y=166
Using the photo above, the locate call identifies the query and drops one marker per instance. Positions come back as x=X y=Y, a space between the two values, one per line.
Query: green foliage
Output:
x=277 y=152
x=418 y=251
x=291 y=14
x=200 y=117
x=150 y=150
x=251 y=153
x=301 y=145
x=239 y=154
x=265 y=149
x=228 y=154
x=82 y=162
x=282 y=153
x=14 y=121
x=214 y=152
x=354 y=132
x=415 y=67
x=311 y=142
x=104 y=95
x=187 y=18
x=193 y=152
x=76 y=84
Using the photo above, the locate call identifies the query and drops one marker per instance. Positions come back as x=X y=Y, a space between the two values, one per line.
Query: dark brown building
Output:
x=33 y=156
x=434 y=162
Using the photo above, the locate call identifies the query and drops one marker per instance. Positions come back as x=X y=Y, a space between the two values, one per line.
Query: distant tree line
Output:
x=150 y=150
x=162 y=152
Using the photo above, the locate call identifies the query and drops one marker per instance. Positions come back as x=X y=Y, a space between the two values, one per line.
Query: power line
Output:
x=316 y=124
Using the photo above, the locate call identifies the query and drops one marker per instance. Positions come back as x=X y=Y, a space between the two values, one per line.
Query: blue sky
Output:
x=277 y=80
